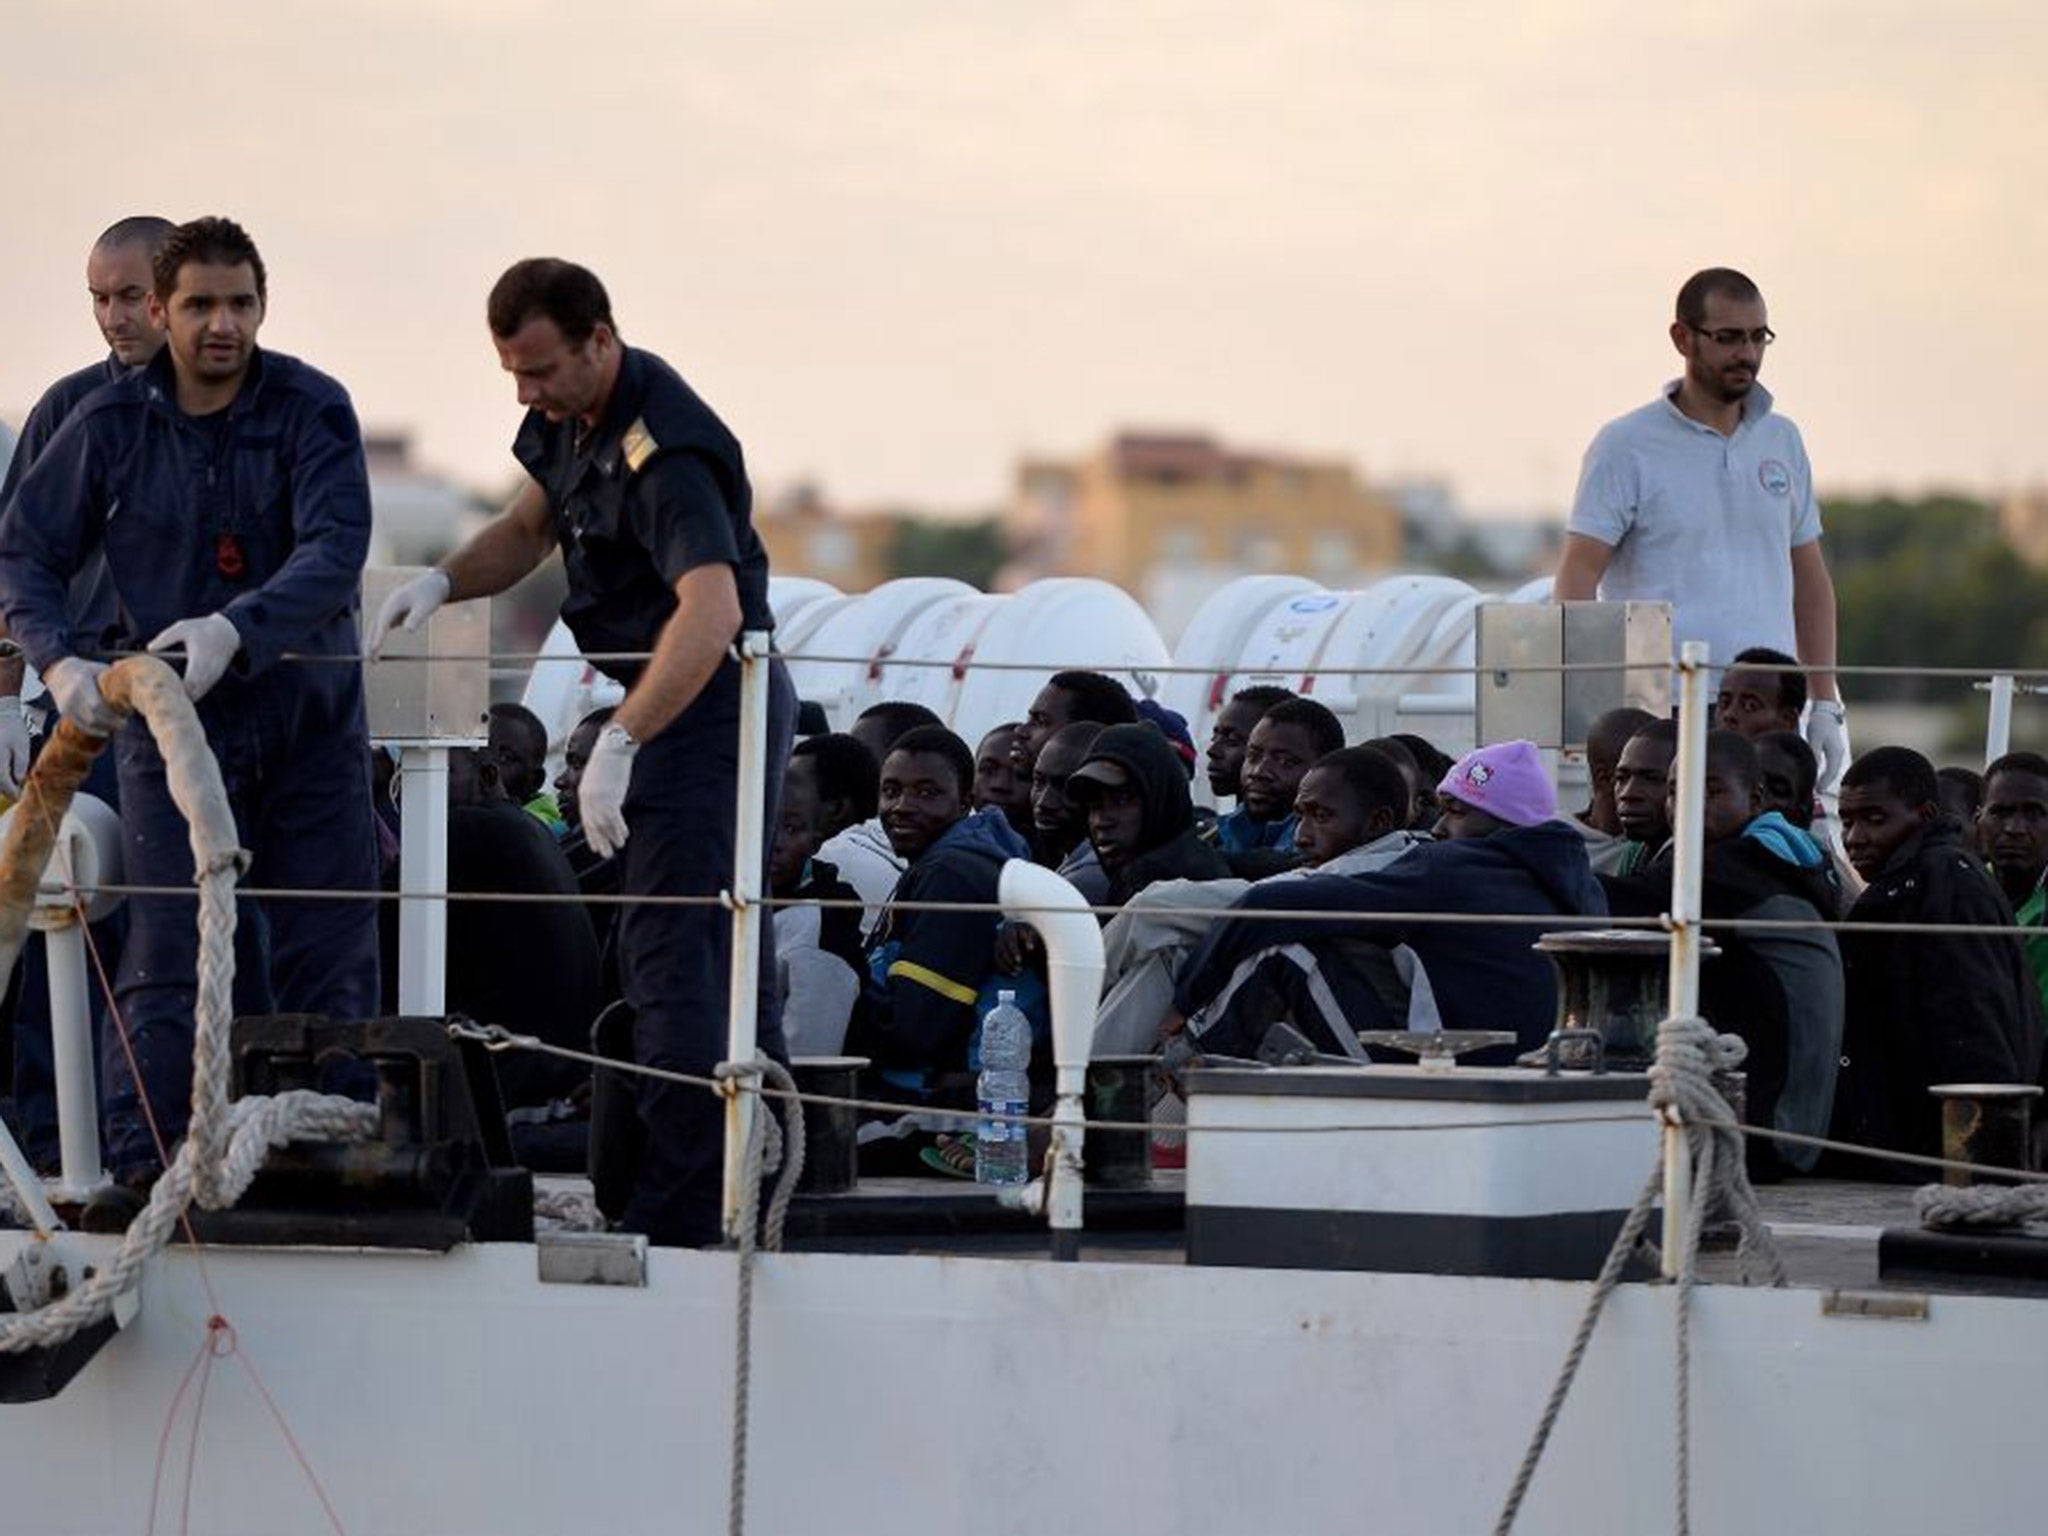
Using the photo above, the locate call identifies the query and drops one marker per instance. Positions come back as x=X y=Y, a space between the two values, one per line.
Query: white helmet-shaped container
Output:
x=976 y=659
x=1330 y=646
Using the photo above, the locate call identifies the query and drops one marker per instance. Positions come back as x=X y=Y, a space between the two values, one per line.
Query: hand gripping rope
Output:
x=226 y=1142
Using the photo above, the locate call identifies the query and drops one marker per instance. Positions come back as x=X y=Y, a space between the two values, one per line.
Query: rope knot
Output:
x=228 y=861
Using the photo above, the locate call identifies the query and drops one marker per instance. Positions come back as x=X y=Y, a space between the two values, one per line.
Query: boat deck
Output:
x=1827 y=1231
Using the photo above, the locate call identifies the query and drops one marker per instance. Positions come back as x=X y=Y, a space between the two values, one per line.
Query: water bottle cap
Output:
x=1005 y=997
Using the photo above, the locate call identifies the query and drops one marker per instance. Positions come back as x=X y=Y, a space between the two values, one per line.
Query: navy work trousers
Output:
x=294 y=757
x=676 y=961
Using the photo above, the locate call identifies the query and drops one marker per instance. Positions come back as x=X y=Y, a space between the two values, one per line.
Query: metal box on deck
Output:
x=1473 y=1171
x=433 y=684
x=1554 y=707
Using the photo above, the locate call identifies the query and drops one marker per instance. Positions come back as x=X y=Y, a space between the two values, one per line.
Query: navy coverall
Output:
x=659 y=488
x=259 y=512
x=92 y=609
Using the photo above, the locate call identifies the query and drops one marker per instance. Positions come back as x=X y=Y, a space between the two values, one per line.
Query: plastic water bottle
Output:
x=1004 y=1089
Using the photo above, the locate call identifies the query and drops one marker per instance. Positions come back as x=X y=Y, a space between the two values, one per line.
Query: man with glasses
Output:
x=1704 y=499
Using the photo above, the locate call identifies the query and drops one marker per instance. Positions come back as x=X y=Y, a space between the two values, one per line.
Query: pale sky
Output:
x=898 y=242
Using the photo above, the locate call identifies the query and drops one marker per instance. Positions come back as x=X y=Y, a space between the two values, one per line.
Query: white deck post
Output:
x=1688 y=848
x=423 y=872
x=749 y=849
x=78 y=1114
x=1998 y=729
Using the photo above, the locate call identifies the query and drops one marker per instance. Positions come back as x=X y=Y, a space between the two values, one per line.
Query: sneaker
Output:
x=952 y=1155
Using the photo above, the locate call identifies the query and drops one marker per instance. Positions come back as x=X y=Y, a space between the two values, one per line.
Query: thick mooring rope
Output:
x=1689 y=1053
x=226 y=1142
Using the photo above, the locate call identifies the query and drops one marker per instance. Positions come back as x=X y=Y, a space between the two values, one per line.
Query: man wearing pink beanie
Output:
x=1502 y=849
x=1494 y=787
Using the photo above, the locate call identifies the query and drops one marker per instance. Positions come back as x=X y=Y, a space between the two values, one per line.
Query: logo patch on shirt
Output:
x=1774 y=477
x=638 y=444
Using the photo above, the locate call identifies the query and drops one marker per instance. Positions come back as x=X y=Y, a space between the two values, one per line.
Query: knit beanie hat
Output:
x=1506 y=781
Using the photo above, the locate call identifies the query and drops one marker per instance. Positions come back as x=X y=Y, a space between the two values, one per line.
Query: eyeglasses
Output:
x=1728 y=336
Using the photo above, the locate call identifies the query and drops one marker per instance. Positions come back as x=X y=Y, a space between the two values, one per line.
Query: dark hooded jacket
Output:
x=1484 y=976
x=1173 y=850
x=1927 y=1009
x=931 y=974
x=1781 y=991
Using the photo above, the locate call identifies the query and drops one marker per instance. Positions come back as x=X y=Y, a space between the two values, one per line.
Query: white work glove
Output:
x=1827 y=732
x=74 y=683
x=13 y=745
x=409 y=607
x=601 y=793
x=209 y=645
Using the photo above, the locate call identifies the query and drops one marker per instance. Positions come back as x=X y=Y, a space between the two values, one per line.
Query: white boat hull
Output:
x=448 y=1395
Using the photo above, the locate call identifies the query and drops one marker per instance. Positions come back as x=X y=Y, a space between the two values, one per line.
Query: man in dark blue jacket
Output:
x=644 y=490
x=1502 y=850
x=227 y=487
x=118 y=278
x=932 y=973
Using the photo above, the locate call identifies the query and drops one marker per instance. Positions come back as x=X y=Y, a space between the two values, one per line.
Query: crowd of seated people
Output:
x=889 y=945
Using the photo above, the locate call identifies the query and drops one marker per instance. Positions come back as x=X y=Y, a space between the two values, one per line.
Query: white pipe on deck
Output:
x=1688 y=856
x=78 y=1114
x=423 y=873
x=1998 y=730
x=749 y=850
x=1073 y=976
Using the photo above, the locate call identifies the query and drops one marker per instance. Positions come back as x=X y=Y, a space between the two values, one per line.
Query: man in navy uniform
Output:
x=227 y=488
x=118 y=278
x=645 y=492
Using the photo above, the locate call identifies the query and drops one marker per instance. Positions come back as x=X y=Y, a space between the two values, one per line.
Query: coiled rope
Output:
x=1689 y=1053
x=225 y=1143
x=1980 y=1205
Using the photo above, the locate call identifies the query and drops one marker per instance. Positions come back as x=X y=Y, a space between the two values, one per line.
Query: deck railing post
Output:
x=1688 y=851
x=1998 y=728
x=749 y=850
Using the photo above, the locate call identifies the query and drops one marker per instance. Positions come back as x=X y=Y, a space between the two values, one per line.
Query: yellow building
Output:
x=1148 y=503
x=804 y=537
x=2024 y=518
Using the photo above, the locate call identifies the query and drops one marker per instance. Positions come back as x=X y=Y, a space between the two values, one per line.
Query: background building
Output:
x=1169 y=516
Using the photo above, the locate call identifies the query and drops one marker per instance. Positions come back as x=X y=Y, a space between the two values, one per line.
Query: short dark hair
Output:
x=937 y=741
x=2017 y=762
x=1968 y=780
x=898 y=716
x=1703 y=285
x=216 y=242
x=1096 y=697
x=1325 y=730
x=1397 y=749
x=1607 y=735
x=1373 y=776
x=1791 y=681
x=1265 y=695
x=519 y=717
x=145 y=229
x=1665 y=731
x=1900 y=769
x=1433 y=762
x=1730 y=752
x=548 y=288
x=1805 y=765
x=846 y=771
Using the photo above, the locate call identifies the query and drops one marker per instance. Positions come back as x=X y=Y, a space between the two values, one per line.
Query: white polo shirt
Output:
x=1703 y=522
